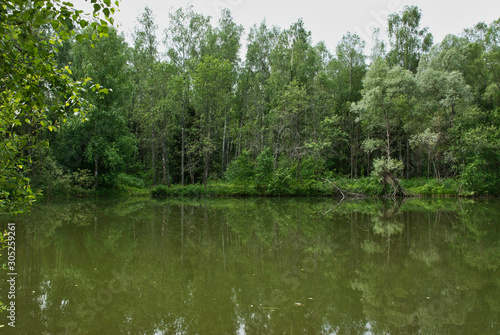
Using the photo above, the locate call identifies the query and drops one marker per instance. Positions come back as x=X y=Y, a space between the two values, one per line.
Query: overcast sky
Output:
x=328 y=21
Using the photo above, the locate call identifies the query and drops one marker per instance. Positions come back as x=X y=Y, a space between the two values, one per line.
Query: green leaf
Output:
x=79 y=38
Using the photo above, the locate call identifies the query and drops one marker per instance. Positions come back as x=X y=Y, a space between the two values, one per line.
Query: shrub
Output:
x=241 y=169
x=281 y=182
x=82 y=182
x=161 y=191
x=382 y=168
x=311 y=169
x=131 y=181
x=264 y=168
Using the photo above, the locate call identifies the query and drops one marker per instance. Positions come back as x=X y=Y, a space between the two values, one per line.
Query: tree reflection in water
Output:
x=259 y=266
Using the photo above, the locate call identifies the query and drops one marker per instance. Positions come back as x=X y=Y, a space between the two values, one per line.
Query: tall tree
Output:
x=211 y=90
x=168 y=114
x=492 y=60
x=295 y=64
x=349 y=67
x=224 y=43
x=293 y=58
x=252 y=96
x=147 y=89
x=387 y=93
x=407 y=40
x=351 y=57
x=104 y=136
x=184 y=39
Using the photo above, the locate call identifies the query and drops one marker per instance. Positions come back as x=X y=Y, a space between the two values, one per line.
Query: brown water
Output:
x=257 y=266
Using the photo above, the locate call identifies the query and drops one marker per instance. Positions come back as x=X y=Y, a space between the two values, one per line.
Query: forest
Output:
x=82 y=111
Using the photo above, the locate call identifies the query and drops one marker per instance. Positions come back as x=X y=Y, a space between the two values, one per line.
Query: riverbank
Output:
x=364 y=187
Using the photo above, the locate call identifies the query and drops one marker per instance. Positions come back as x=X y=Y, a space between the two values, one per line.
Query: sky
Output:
x=327 y=20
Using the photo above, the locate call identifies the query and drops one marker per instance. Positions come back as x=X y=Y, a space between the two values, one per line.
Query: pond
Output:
x=257 y=266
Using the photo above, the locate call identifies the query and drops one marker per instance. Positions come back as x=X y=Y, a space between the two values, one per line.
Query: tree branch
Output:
x=344 y=192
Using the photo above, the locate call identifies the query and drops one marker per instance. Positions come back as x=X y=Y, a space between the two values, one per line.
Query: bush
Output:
x=367 y=186
x=382 y=168
x=161 y=191
x=432 y=187
x=478 y=177
x=48 y=176
x=131 y=181
x=196 y=190
x=311 y=169
x=281 y=182
x=82 y=182
x=241 y=170
x=264 y=168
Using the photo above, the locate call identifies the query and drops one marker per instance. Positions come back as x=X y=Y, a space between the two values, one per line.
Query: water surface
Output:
x=258 y=266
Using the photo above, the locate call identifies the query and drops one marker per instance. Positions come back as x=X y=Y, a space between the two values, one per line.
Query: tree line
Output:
x=290 y=110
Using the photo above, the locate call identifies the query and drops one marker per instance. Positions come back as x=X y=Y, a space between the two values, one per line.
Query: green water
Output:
x=257 y=266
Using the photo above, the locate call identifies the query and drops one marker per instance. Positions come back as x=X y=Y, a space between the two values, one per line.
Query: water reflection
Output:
x=259 y=266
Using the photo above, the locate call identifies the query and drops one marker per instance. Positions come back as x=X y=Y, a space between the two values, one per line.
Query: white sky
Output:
x=328 y=21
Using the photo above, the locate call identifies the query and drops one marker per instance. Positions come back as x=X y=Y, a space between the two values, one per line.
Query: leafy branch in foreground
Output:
x=34 y=92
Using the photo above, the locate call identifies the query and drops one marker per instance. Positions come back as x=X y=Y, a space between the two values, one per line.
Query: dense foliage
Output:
x=36 y=90
x=290 y=113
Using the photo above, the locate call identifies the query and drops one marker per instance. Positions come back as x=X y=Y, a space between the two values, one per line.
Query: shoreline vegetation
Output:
x=337 y=188
x=340 y=188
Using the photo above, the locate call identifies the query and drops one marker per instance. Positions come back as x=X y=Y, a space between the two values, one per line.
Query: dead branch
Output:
x=344 y=192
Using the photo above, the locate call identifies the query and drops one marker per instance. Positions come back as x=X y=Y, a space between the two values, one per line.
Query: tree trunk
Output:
x=298 y=170
x=368 y=166
x=407 y=159
x=205 y=172
x=400 y=151
x=388 y=138
x=352 y=161
x=153 y=162
x=428 y=164
x=96 y=164
x=182 y=149
x=169 y=181
x=164 y=163
x=191 y=174
x=355 y=155
x=224 y=145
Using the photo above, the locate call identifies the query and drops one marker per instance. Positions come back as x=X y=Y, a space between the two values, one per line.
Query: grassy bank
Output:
x=229 y=189
x=364 y=186
x=370 y=187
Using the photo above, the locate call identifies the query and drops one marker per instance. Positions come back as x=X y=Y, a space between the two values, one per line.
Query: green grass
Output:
x=365 y=186
x=434 y=188
x=420 y=187
x=229 y=189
